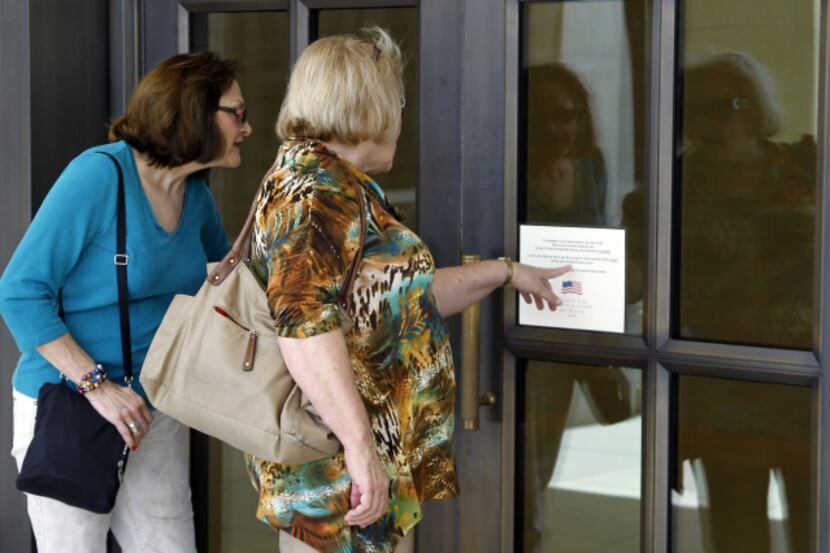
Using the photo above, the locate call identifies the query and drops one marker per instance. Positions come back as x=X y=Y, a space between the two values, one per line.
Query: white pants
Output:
x=290 y=544
x=152 y=511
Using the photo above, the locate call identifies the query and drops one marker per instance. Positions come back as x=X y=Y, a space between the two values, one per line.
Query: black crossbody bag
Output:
x=76 y=455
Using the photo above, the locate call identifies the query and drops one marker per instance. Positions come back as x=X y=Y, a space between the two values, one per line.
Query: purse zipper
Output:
x=250 y=350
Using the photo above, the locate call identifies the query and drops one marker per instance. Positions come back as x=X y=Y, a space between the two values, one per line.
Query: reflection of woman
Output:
x=385 y=384
x=565 y=170
x=747 y=210
x=566 y=186
x=186 y=116
x=746 y=277
x=549 y=395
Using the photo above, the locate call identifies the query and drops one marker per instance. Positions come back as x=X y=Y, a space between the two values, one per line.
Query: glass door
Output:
x=580 y=157
x=257 y=35
x=259 y=40
x=695 y=126
x=745 y=183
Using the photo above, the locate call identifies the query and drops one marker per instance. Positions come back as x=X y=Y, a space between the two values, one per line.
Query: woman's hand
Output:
x=321 y=367
x=370 y=486
x=533 y=283
x=118 y=404
x=121 y=406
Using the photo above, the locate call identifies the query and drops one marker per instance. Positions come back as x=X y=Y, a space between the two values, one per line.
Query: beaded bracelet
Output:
x=92 y=379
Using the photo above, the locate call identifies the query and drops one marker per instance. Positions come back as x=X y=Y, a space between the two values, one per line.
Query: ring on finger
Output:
x=134 y=427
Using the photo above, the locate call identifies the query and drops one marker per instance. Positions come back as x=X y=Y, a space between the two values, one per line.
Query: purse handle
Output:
x=121 y=259
x=241 y=249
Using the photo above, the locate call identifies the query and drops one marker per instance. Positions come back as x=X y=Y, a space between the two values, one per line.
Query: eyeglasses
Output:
x=240 y=113
x=719 y=106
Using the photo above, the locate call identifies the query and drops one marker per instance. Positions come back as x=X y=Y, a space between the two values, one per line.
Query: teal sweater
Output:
x=70 y=246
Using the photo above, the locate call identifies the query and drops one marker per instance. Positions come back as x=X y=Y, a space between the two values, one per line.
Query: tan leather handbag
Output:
x=215 y=364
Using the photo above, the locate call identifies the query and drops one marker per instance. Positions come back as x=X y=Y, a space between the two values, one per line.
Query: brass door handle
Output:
x=470 y=357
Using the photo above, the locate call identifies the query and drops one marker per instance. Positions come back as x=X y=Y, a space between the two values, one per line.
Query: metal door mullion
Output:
x=508 y=451
x=124 y=50
x=575 y=337
x=512 y=36
x=358 y=4
x=585 y=354
x=299 y=15
x=654 y=526
x=662 y=60
x=820 y=501
x=201 y=6
x=592 y=344
x=738 y=353
x=745 y=370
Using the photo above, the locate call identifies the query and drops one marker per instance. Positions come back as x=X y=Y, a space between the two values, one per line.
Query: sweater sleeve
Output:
x=77 y=207
x=214 y=237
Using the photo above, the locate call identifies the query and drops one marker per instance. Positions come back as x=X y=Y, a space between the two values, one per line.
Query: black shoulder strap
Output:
x=121 y=259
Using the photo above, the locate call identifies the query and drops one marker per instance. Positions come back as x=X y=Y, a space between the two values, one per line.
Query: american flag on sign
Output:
x=572 y=287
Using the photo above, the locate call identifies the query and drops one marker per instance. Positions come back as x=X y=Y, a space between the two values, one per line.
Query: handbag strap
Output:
x=121 y=260
x=241 y=249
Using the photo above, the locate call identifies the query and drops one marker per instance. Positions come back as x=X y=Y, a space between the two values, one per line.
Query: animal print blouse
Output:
x=305 y=237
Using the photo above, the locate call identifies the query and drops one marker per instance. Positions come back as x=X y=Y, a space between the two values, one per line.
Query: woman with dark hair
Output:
x=565 y=170
x=566 y=183
x=59 y=298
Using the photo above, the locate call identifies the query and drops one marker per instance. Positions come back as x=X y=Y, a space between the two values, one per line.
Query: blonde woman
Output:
x=384 y=383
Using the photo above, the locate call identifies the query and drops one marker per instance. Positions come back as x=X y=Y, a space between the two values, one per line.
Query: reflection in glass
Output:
x=747 y=169
x=566 y=177
x=580 y=458
x=259 y=42
x=401 y=183
x=582 y=121
x=743 y=471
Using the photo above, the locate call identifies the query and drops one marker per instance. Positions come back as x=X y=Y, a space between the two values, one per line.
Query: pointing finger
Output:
x=557 y=271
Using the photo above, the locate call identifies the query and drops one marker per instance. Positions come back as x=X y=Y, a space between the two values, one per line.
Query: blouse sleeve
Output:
x=311 y=240
x=68 y=220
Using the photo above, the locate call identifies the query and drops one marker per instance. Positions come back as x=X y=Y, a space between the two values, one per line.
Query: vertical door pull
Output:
x=470 y=351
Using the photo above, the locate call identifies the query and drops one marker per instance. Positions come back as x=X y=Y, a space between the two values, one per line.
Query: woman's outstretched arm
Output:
x=456 y=288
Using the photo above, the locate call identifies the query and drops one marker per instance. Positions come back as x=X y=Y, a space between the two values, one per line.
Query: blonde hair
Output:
x=347 y=88
x=751 y=78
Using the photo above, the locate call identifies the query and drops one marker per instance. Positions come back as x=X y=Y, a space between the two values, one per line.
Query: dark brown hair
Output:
x=171 y=115
x=542 y=79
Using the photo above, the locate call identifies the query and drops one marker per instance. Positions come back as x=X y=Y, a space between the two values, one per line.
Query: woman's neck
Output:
x=165 y=179
x=353 y=153
x=361 y=155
